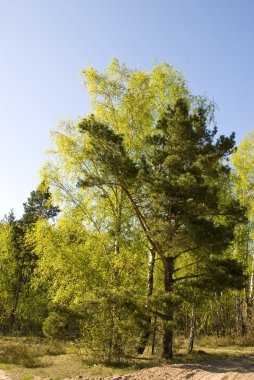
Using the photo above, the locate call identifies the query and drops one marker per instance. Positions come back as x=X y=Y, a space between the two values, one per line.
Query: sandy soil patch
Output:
x=241 y=368
x=4 y=376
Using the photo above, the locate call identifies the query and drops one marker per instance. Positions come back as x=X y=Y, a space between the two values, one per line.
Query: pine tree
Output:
x=174 y=191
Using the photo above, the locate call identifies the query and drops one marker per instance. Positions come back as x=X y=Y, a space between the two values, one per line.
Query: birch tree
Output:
x=243 y=160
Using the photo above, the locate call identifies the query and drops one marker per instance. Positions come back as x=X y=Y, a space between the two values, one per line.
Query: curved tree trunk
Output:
x=145 y=335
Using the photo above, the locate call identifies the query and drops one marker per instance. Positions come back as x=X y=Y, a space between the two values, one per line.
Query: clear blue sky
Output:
x=45 y=43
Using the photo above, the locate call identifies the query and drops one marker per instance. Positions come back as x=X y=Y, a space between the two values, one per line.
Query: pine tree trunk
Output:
x=192 y=332
x=145 y=335
x=167 y=342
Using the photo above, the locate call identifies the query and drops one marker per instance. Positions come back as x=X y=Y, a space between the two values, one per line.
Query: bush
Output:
x=61 y=326
x=54 y=326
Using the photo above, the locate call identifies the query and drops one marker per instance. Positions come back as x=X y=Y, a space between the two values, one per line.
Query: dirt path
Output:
x=4 y=376
x=241 y=368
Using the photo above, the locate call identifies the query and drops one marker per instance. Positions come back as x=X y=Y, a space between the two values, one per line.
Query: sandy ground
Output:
x=3 y=375
x=241 y=368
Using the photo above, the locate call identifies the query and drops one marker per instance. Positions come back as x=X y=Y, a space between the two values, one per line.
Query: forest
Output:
x=141 y=229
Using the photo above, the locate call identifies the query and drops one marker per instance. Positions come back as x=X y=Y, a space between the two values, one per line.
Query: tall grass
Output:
x=27 y=352
x=226 y=341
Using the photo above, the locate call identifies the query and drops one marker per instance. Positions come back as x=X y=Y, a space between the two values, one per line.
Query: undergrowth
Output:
x=25 y=358
x=27 y=351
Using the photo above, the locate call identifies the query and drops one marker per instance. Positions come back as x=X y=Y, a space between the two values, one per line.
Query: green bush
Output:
x=61 y=326
x=54 y=326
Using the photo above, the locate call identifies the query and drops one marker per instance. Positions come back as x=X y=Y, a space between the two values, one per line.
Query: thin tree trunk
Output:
x=250 y=295
x=145 y=335
x=150 y=273
x=154 y=334
x=192 y=332
x=239 y=316
x=17 y=293
x=248 y=291
x=118 y=211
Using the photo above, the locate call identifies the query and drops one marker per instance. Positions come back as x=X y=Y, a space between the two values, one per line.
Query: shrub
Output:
x=61 y=326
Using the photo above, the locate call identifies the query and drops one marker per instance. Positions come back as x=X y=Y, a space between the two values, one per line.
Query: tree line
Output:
x=141 y=228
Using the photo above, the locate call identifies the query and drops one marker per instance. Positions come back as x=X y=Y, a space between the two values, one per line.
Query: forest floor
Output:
x=236 y=368
x=22 y=359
